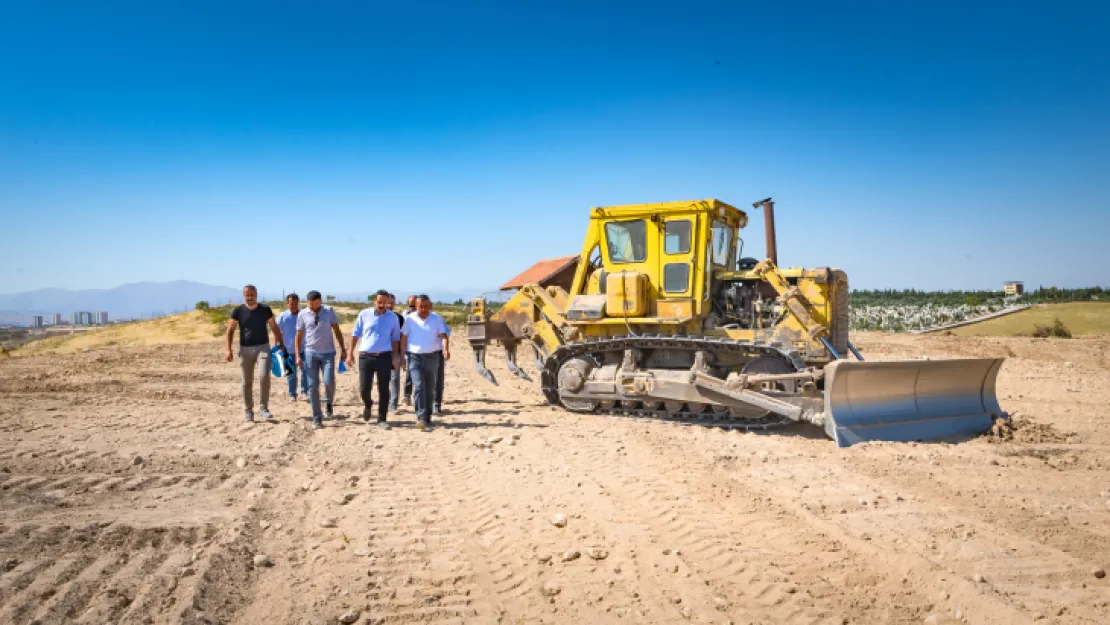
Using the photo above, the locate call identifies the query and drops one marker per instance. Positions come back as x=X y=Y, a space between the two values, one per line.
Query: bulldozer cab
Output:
x=655 y=260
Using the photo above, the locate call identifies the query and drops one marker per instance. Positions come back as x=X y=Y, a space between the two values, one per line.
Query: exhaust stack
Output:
x=769 y=227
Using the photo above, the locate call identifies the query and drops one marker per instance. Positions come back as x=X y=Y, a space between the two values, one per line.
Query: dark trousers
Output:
x=424 y=369
x=438 y=401
x=370 y=366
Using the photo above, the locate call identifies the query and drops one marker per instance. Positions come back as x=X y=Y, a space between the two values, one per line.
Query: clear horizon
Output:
x=948 y=147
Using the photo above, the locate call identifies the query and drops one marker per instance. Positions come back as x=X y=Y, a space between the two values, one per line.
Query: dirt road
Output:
x=131 y=493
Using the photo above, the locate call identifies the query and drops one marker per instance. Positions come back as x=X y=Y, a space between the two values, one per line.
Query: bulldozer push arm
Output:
x=802 y=310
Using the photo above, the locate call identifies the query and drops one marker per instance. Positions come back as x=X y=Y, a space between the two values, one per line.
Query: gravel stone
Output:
x=597 y=553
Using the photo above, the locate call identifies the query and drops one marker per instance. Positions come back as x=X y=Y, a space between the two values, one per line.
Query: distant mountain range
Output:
x=155 y=299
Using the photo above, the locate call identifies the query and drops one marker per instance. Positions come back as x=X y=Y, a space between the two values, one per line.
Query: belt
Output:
x=373 y=353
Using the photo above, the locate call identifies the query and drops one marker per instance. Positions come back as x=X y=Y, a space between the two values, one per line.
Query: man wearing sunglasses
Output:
x=315 y=327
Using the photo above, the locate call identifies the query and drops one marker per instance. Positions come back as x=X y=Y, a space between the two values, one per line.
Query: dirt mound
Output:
x=1021 y=429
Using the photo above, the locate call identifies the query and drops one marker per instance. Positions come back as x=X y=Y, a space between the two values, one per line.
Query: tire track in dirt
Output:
x=750 y=555
x=945 y=548
x=105 y=571
x=746 y=558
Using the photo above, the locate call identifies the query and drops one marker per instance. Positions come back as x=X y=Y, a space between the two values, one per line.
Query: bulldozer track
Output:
x=549 y=376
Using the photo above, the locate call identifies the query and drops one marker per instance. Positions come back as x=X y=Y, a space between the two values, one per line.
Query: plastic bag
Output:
x=279 y=364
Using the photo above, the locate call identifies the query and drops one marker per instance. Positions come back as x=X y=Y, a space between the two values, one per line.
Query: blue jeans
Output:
x=424 y=369
x=292 y=378
x=314 y=362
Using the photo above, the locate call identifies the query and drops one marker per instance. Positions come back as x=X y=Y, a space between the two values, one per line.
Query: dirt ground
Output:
x=130 y=492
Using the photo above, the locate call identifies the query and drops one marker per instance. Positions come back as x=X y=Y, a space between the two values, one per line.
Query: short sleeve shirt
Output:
x=376 y=333
x=287 y=323
x=317 y=332
x=252 y=324
x=424 y=333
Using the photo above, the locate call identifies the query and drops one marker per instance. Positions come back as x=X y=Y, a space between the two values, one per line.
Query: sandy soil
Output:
x=131 y=493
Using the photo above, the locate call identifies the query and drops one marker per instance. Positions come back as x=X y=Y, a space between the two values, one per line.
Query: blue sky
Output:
x=451 y=144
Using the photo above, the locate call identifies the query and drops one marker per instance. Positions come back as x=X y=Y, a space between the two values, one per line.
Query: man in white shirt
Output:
x=423 y=337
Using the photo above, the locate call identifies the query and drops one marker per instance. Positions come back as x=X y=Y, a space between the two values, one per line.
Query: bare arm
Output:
x=231 y=325
x=404 y=346
x=352 y=352
x=339 y=340
x=277 y=333
x=446 y=346
x=298 y=345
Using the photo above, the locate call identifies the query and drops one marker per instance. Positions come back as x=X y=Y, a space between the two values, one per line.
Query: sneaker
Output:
x=248 y=417
x=437 y=410
x=267 y=415
x=384 y=425
x=317 y=424
x=293 y=398
x=366 y=415
x=304 y=397
x=423 y=425
x=393 y=407
x=328 y=413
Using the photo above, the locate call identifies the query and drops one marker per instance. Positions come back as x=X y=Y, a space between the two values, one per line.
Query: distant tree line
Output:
x=914 y=297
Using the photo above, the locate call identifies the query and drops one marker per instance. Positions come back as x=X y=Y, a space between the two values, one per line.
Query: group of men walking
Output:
x=389 y=345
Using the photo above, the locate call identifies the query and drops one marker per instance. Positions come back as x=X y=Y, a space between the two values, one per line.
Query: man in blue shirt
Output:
x=376 y=337
x=314 y=339
x=423 y=336
x=287 y=321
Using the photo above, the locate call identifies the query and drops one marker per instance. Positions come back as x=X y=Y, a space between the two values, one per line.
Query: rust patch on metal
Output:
x=551 y=272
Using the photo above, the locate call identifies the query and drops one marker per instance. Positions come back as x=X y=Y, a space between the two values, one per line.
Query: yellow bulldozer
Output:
x=661 y=316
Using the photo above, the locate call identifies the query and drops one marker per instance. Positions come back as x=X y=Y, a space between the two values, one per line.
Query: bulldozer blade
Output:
x=910 y=400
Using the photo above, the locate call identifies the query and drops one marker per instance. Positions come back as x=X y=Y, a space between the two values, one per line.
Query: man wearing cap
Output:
x=252 y=319
x=376 y=338
x=287 y=321
x=315 y=327
x=423 y=336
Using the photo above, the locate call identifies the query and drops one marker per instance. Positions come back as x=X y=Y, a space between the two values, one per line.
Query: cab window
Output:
x=722 y=243
x=626 y=241
x=676 y=237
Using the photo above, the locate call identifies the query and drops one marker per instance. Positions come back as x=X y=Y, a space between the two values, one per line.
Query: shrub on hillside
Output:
x=1056 y=330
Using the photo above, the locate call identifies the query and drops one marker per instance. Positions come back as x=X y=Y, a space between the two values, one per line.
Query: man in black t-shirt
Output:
x=252 y=319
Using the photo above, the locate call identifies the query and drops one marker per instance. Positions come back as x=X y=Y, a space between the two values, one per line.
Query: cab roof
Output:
x=684 y=206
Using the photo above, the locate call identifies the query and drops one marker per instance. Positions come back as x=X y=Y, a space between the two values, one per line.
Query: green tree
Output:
x=202 y=305
x=330 y=298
